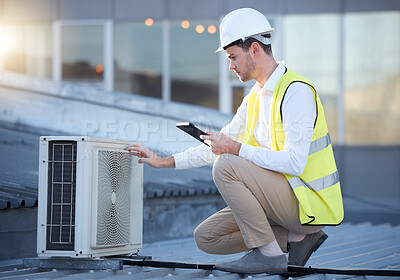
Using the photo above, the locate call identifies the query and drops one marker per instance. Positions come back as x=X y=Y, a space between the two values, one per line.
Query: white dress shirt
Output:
x=298 y=110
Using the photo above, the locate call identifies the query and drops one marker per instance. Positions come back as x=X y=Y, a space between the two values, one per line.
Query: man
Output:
x=273 y=164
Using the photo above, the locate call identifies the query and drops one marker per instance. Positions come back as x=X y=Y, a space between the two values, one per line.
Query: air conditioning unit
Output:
x=90 y=198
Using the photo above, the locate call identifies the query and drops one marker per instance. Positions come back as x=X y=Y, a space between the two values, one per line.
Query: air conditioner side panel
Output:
x=83 y=200
x=42 y=196
x=137 y=205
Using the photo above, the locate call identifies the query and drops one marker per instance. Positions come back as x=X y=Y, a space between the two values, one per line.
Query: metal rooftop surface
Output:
x=348 y=246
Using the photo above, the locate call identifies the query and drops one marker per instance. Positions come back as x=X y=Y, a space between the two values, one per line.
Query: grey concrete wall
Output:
x=169 y=218
x=18 y=233
x=370 y=181
x=370 y=172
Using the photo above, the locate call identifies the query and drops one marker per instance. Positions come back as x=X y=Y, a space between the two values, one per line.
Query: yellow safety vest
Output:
x=317 y=188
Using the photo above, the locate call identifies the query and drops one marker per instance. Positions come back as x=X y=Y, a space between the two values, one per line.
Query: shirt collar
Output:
x=274 y=78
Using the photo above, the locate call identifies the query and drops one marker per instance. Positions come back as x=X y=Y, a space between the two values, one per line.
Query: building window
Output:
x=14 y=51
x=372 y=78
x=82 y=49
x=194 y=63
x=27 y=49
x=138 y=58
x=311 y=49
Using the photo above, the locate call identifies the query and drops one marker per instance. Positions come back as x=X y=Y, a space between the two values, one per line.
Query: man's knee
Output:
x=223 y=165
x=202 y=238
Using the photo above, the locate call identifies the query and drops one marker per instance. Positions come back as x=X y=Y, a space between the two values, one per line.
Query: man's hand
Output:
x=221 y=143
x=147 y=156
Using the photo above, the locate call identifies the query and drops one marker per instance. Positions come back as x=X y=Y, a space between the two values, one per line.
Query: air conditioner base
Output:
x=71 y=263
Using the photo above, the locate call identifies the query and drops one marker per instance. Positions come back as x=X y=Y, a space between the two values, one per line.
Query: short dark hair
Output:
x=249 y=41
x=246 y=45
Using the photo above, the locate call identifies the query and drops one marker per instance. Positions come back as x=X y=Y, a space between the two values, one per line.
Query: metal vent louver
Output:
x=113 y=205
x=61 y=195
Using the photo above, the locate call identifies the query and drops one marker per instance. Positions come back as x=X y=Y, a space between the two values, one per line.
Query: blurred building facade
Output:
x=349 y=49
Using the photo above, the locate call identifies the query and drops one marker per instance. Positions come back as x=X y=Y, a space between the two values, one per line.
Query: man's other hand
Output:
x=221 y=143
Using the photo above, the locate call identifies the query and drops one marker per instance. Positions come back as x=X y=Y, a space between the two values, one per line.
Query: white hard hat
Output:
x=241 y=24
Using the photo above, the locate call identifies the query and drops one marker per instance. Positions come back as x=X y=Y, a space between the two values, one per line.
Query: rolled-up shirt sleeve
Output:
x=194 y=157
x=298 y=110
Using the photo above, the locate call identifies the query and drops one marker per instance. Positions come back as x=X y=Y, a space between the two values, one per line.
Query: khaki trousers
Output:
x=261 y=208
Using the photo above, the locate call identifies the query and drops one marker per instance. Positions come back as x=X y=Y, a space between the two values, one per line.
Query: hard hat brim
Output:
x=221 y=48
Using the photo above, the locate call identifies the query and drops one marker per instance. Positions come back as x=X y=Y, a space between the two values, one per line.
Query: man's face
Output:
x=241 y=63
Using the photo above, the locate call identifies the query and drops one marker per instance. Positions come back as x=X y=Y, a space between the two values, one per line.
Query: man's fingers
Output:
x=133 y=147
x=143 y=160
x=135 y=150
x=138 y=150
x=211 y=135
x=208 y=137
x=210 y=132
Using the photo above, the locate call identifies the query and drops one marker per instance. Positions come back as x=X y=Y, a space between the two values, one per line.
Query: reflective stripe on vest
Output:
x=320 y=144
x=316 y=185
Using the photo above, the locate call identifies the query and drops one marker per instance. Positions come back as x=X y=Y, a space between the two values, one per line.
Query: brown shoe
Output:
x=300 y=252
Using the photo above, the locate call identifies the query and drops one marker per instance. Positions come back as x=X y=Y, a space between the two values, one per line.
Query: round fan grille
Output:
x=113 y=199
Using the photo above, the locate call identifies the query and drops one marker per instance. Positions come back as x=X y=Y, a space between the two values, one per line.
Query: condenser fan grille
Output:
x=113 y=199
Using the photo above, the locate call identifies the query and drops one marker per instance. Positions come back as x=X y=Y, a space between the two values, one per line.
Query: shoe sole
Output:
x=317 y=244
x=282 y=271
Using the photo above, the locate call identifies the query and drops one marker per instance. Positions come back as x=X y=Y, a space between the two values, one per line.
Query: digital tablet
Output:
x=192 y=130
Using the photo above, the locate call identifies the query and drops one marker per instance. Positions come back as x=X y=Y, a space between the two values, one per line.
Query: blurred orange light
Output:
x=149 y=22
x=185 y=24
x=199 y=28
x=212 y=29
x=99 y=69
